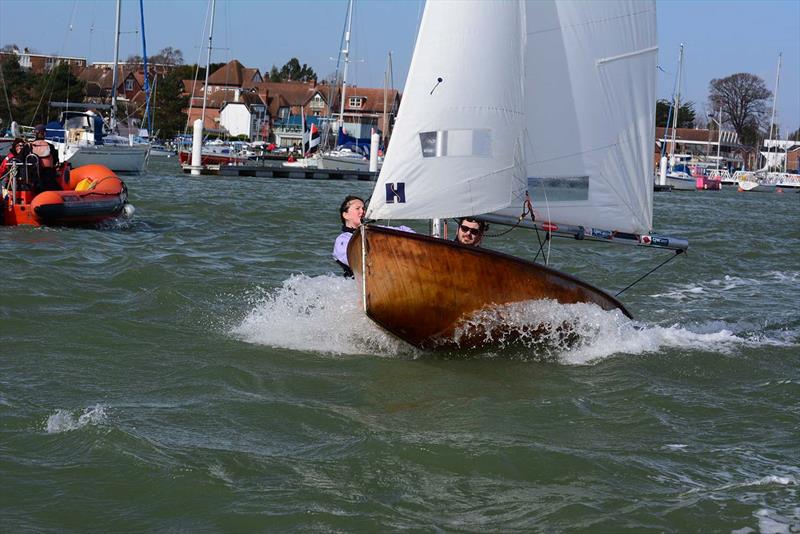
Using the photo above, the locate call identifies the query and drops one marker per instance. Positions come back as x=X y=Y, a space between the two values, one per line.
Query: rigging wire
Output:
x=651 y=271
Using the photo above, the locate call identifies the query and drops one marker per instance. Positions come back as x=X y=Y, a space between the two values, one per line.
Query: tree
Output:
x=16 y=86
x=293 y=72
x=168 y=56
x=686 y=114
x=60 y=85
x=274 y=74
x=795 y=135
x=135 y=59
x=742 y=99
x=168 y=116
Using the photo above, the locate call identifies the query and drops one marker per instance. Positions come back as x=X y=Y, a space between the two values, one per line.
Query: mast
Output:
x=147 y=119
x=677 y=105
x=114 y=74
x=208 y=62
x=774 y=103
x=346 y=53
x=386 y=78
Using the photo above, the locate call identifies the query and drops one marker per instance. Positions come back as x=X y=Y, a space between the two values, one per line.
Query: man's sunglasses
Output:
x=469 y=230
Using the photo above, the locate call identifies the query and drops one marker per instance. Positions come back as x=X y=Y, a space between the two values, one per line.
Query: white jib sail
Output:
x=590 y=113
x=457 y=148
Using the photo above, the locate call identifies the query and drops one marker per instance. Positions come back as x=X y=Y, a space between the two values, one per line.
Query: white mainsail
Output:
x=556 y=97
x=457 y=146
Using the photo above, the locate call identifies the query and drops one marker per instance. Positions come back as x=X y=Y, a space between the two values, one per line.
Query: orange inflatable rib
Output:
x=89 y=194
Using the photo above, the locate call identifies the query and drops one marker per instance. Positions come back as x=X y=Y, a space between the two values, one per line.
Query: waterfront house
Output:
x=40 y=63
x=700 y=144
x=245 y=114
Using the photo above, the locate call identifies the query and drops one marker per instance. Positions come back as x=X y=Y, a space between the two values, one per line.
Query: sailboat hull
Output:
x=118 y=158
x=422 y=289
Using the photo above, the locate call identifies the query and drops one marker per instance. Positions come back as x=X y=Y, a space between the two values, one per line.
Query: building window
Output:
x=317 y=102
x=129 y=85
x=355 y=102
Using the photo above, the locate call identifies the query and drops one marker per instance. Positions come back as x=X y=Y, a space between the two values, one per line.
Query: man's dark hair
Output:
x=483 y=224
x=346 y=204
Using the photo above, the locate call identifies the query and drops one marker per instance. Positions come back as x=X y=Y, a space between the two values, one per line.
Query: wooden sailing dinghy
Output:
x=554 y=99
x=423 y=289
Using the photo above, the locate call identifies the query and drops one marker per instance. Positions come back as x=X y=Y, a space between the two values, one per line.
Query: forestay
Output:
x=457 y=148
x=554 y=97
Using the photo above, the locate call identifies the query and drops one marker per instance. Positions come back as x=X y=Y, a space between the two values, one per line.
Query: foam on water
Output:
x=65 y=421
x=729 y=283
x=772 y=522
x=323 y=314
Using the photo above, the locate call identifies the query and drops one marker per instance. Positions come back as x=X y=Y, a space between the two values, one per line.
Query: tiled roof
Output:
x=234 y=74
x=245 y=97
x=293 y=93
x=372 y=99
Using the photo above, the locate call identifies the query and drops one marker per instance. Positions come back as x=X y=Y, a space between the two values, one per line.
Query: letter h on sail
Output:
x=396 y=192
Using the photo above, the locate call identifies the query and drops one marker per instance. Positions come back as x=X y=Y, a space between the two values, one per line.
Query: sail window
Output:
x=456 y=143
x=559 y=188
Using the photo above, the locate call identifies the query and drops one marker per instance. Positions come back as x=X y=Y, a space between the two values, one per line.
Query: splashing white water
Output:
x=64 y=421
x=323 y=314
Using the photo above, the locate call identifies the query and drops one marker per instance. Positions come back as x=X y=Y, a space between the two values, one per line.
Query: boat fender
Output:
x=84 y=185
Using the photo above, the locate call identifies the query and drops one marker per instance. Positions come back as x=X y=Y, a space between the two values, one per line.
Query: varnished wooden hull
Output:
x=420 y=288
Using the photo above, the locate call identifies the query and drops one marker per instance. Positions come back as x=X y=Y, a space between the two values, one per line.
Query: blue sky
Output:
x=720 y=37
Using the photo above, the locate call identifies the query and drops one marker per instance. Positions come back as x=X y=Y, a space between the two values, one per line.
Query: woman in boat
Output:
x=15 y=152
x=352 y=213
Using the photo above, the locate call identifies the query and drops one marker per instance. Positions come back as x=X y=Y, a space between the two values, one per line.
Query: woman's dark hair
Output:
x=483 y=224
x=15 y=143
x=346 y=204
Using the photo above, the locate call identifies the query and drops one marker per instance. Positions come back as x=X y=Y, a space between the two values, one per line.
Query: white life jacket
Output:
x=42 y=149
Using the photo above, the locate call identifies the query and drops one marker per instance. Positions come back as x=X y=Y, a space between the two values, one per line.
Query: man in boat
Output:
x=470 y=231
x=48 y=160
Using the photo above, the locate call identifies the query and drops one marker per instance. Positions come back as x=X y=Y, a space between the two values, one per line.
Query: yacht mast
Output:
x=774 y=103
x=147 y=110
x=113 y=119
x=346 y=53
x=677 y=105
x=386 y=80
x=208 y=62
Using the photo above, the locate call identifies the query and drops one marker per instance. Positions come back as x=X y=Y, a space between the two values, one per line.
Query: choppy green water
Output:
x=202 y=370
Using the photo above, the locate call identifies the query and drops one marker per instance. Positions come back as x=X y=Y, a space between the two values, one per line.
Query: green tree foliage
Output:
x=686 y=114
x=30 y=94
x=61 y=85
x=742 y=98
x=168 y=117
x=14 y=84
x=274 y=74
x=292 y=72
